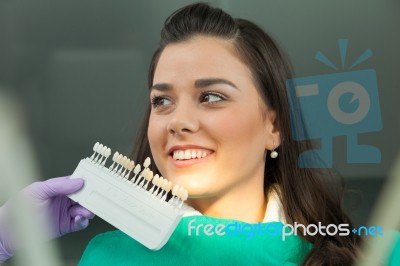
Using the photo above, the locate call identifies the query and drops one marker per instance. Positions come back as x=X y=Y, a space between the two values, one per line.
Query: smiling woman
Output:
x=218 y=118
x=208 y=109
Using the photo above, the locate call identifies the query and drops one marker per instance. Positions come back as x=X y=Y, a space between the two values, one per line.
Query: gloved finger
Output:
x=78 y=210
x=78 y=223
x=61 y=186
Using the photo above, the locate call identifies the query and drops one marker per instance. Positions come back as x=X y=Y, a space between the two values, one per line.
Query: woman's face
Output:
x=209 y=128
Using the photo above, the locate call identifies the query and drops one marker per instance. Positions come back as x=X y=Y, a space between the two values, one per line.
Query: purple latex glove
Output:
x=48 y=200
x=66 y=216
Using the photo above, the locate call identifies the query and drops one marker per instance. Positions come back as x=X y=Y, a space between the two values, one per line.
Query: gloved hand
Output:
x=48 y=200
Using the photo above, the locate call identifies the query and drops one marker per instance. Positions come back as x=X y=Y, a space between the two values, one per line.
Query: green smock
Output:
x=242 y=244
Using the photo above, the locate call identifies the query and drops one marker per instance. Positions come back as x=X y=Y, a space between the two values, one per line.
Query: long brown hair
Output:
x=307 y=195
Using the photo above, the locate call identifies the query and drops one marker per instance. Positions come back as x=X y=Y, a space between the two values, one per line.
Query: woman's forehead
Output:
x=200 y=56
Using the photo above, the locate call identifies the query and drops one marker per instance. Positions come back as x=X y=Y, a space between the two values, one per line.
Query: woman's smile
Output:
x=187 y=155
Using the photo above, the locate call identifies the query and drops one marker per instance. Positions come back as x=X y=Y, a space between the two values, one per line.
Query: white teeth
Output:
x=189 y=154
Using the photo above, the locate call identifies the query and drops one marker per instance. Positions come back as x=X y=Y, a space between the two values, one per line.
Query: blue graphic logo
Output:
x=339 y=104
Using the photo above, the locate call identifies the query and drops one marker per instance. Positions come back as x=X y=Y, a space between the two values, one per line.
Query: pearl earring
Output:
x=274 y=153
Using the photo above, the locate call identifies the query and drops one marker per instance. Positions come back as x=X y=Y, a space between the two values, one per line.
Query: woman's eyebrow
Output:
x=161 y=87
x=201 y=83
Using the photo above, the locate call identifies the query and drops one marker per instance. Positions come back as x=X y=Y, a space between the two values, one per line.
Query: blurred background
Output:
x=79 y=70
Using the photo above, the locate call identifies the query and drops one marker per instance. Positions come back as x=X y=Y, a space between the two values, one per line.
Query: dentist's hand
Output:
x=48 y=201
x=66 y=216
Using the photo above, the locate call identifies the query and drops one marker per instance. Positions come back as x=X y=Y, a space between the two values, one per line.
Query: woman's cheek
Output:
x=236 y=125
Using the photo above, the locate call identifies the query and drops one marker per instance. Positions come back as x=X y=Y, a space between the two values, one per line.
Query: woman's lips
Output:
x=188 y=157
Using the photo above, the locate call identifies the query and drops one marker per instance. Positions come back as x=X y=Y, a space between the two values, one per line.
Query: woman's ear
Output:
x=273 y=137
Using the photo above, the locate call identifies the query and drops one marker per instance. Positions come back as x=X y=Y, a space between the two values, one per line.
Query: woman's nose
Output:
x=183 y=121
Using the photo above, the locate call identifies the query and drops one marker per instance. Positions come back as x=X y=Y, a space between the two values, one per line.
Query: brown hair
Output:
x=307 y=195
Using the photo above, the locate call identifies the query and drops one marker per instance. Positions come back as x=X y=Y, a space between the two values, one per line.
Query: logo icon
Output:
x=338 y=104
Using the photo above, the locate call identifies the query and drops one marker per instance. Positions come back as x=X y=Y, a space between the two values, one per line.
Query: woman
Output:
x=219 y=125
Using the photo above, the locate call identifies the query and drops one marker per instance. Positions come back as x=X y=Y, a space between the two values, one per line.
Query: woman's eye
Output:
x=211 y=97
x=159 y=101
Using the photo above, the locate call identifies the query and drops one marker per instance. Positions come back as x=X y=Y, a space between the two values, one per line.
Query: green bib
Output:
x=202 y=240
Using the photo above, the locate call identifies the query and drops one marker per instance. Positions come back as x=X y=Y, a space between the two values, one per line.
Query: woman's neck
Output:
x=244 y=204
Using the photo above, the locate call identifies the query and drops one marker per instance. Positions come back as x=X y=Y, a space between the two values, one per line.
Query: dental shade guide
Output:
x=144 y=215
